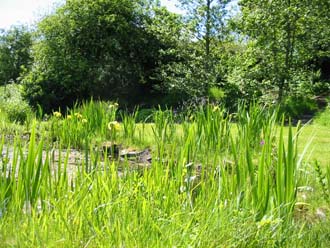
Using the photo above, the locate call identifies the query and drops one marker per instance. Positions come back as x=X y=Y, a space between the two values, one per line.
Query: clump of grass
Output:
x=212 y=127
x=81 y=123
x=253 y=121
x=129 y=124
x=323 y=118
x=163 y=129
x=324 y=180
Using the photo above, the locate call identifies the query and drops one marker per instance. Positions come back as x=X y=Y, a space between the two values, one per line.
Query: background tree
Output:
x=204 y=31
x=207 y=19
x=283 y=34
x=138 y=52
x=100 y=49
x=15 y=53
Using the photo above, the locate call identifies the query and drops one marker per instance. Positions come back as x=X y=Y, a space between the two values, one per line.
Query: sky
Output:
x=13 y=12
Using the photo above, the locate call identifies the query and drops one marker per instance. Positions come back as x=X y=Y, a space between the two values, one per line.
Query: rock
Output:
x=143 y=156
x=110 y=148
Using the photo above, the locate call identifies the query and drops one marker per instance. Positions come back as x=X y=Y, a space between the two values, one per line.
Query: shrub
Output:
x=145 y=115
x=12 y=103
x=297 y=106
x=216 y=94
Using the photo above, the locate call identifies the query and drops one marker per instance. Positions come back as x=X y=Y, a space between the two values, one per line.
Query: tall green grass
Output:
x=81 y=123
x=209 y=184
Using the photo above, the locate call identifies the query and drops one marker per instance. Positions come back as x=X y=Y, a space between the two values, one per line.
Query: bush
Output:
x=12 y=103
x=112 y=56
x=216 y=94
x=145 y=115
x=297 y=106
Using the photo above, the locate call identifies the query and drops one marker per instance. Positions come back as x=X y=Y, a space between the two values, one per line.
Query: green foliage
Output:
x=187 y=78
x=199 y=51
x=104 y=49
x=137 y=52
x=297 y=106
x=206 y=19
x=282 y=41
x=145 y=115
x=179 y=67
x=246 y=72
x=324 y=180
x=15 y=54
x=129 y=123
x=164 y=127
x=323 y=118
x=204 y=171
x=13 y=105
x=253 y=122
x=216 y=94
x=83 y=122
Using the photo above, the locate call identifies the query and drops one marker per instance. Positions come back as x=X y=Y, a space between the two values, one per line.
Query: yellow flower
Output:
x=78 y=115
x=69 y=117
x=215 y=108
x=268 y=221
x=57 y=114
x=84 y=120
x=113 y=125
x=264 y=222
x=114 y=105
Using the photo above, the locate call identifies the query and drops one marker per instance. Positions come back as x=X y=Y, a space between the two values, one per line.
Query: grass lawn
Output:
x=320 y=143
x=316 y=137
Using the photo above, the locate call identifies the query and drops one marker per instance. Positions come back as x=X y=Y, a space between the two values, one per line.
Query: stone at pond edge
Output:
x=110 y=148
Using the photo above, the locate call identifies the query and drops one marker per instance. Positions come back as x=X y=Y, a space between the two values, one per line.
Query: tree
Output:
x=207 y=19
x=95 y=48
x=15 y=53
x=204 y=30
x=284 y=35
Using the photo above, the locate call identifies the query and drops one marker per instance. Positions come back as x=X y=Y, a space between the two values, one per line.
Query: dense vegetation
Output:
x=200 y=151
x=137 y=52
x=214 y=180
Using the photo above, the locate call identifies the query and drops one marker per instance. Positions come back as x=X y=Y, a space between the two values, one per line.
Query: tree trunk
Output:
x=208 y=27
x=208 y=34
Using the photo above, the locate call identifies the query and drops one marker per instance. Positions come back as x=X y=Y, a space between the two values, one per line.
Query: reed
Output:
x=211 y=182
